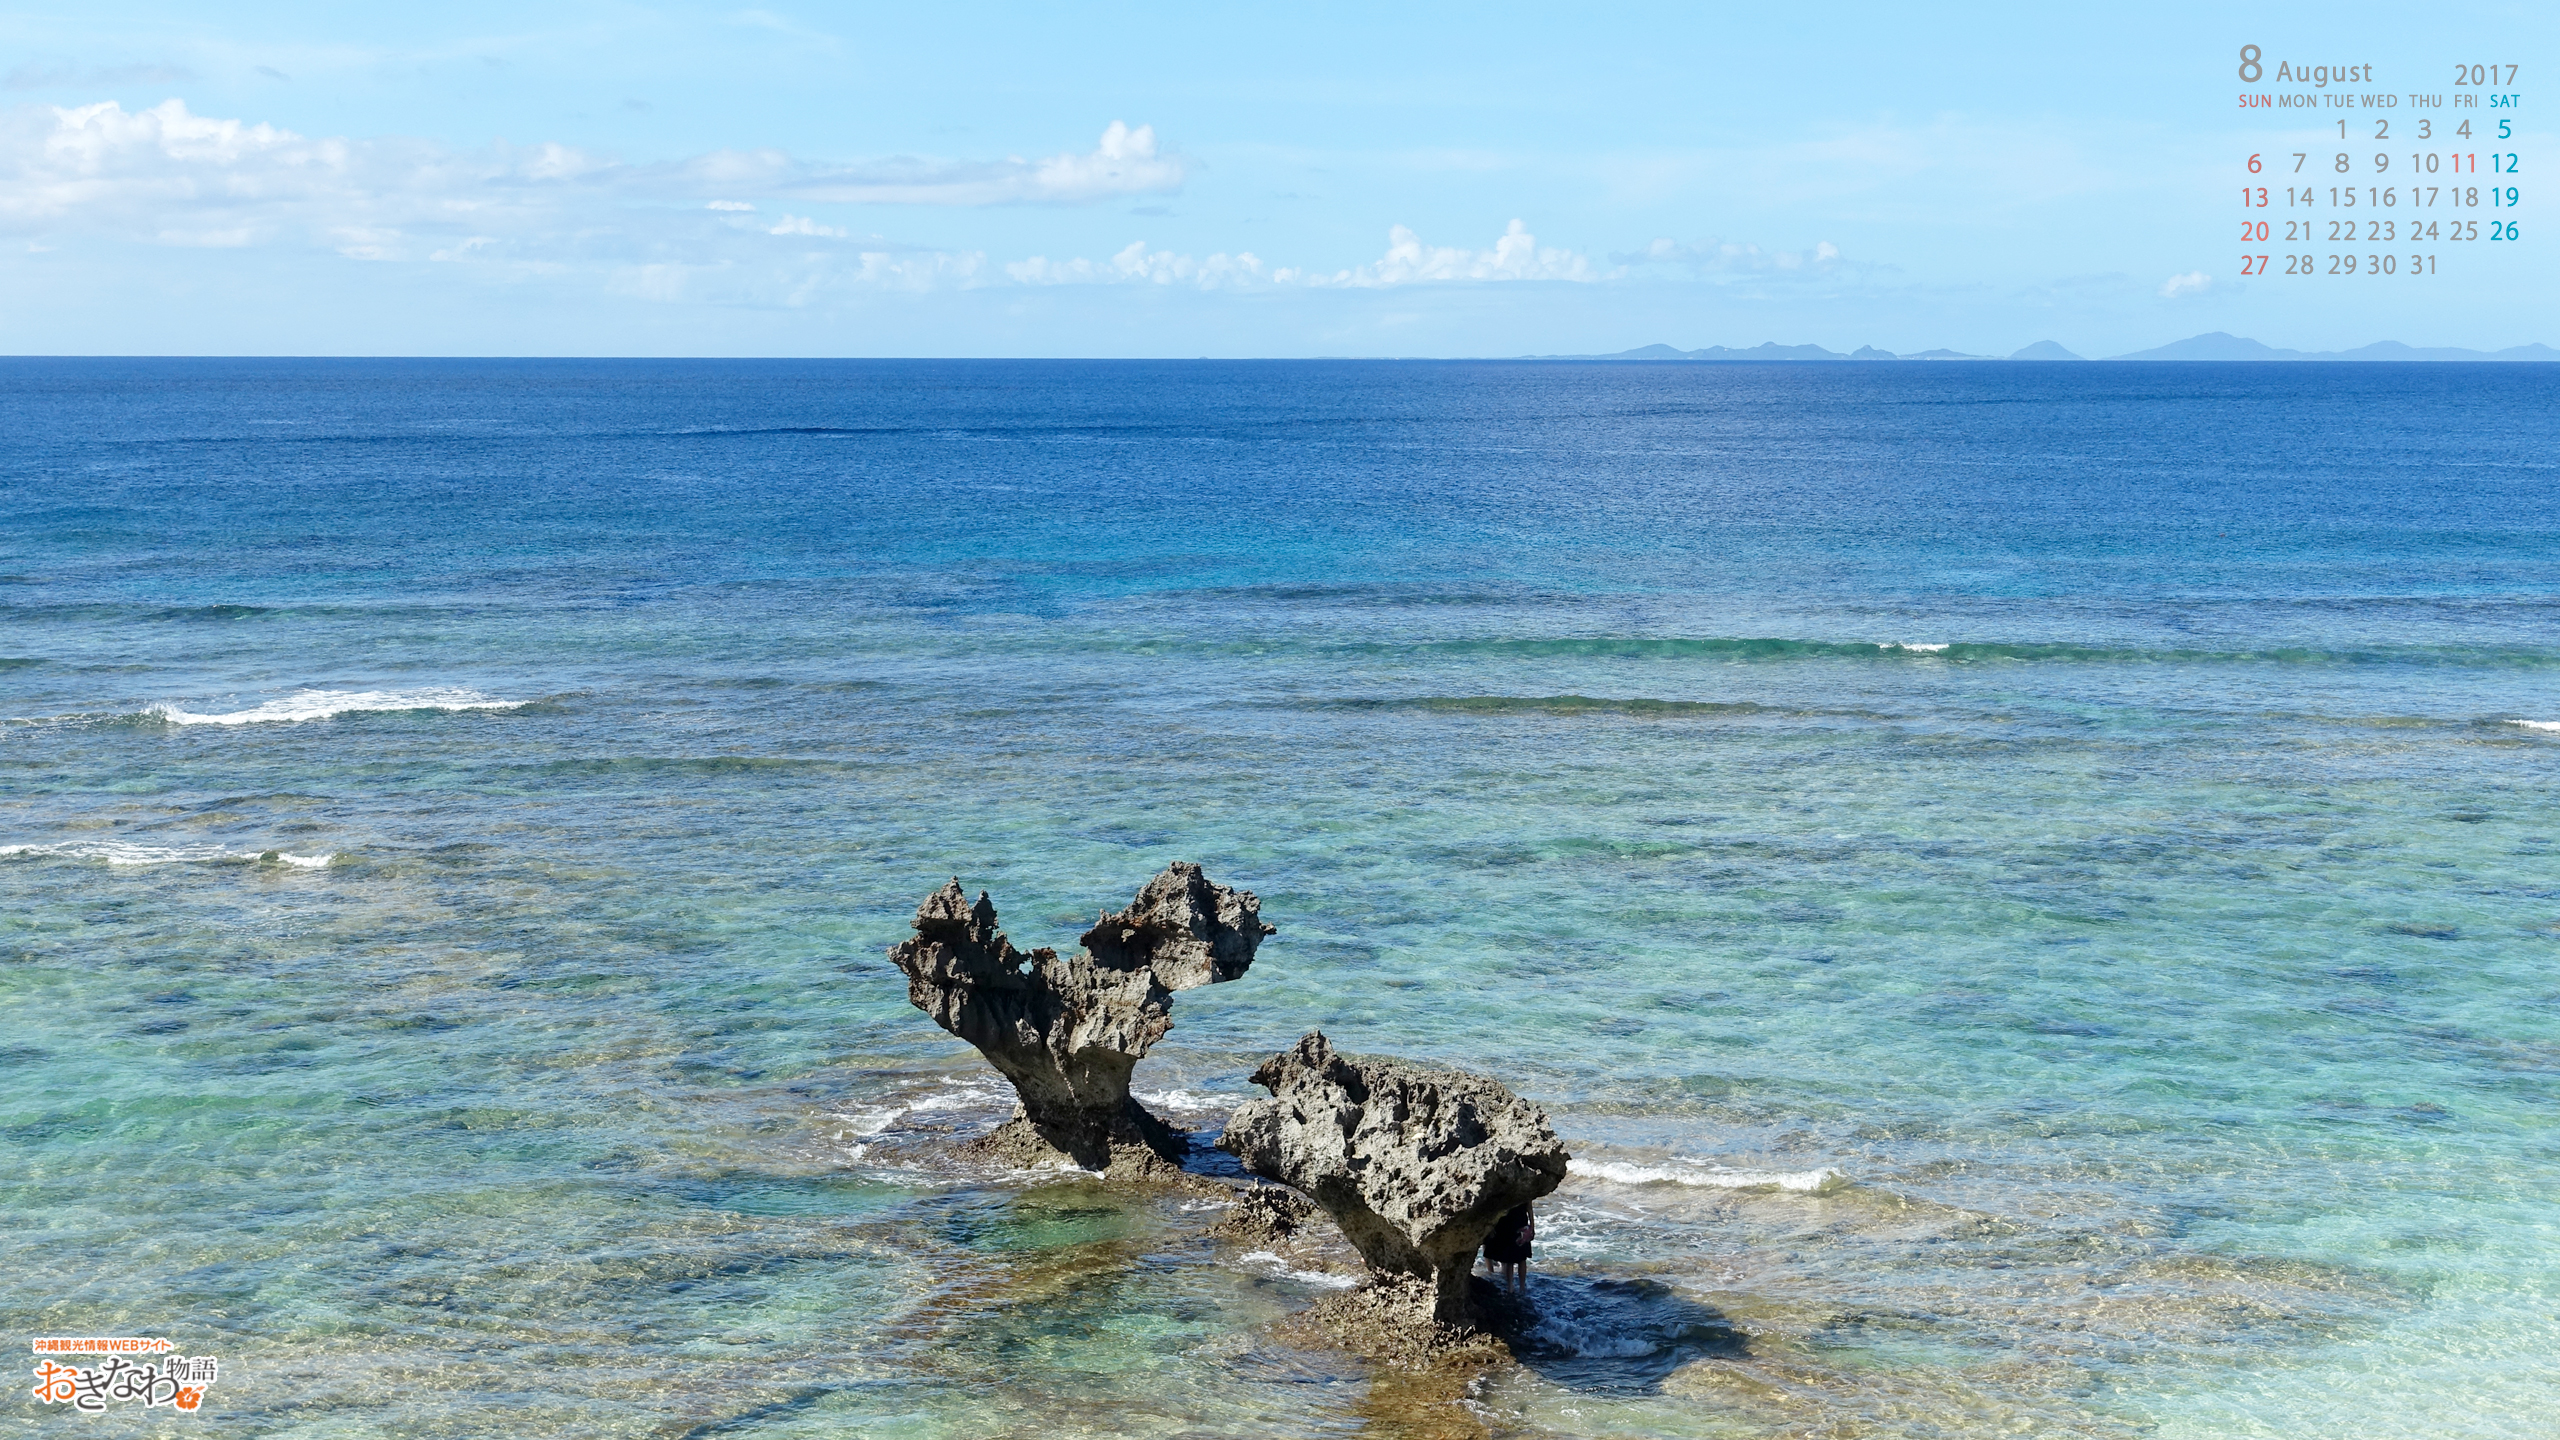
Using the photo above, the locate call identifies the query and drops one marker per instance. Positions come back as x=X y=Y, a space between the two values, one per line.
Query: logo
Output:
x=174 y=1380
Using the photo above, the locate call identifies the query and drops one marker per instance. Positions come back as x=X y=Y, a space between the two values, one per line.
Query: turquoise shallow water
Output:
x=455 y=815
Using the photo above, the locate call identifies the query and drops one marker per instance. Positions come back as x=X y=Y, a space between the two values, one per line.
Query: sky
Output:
x=1142 y=180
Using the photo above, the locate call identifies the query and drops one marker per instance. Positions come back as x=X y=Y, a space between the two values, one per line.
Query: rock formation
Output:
x=1264 y=1215
x=1415 y=1164
x=1067 y=1031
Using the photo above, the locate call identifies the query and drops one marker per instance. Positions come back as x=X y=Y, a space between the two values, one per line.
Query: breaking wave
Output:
x=882 y=1118
x=1185 y=1101
x=2533 y=657
x=2552 y=725
x=1822 y=1181
x=301 y=705
x=327 y=704
x=1555 y=705
x=1271 y=1264
x=118 y=853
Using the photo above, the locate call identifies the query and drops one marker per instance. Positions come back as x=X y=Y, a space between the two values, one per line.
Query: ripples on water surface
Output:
x=2030 y=890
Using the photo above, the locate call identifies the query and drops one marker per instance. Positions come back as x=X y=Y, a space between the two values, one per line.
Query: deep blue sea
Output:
x=2031 y=891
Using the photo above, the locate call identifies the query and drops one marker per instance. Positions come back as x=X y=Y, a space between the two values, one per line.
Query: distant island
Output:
x=2215 y=346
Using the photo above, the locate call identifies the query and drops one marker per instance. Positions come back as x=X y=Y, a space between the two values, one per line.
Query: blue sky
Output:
x=1182 y=180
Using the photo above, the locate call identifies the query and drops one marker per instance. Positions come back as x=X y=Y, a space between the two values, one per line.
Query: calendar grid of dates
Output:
x=2377 y=183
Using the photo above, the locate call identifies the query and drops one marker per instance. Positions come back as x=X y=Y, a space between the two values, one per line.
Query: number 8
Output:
x=2249 y=70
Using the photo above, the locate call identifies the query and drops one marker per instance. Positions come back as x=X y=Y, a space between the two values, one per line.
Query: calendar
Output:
x=2378 y=170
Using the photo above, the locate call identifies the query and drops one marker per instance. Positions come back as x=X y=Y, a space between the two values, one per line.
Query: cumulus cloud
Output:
x=167 y=169
x=1717 y=257
x=1515 y=256
x=1125 y=162
x=2194 y=282
x=802 y=225
x=1138 y=265
x=167 y=173
x=742 y=227
x=916 y=270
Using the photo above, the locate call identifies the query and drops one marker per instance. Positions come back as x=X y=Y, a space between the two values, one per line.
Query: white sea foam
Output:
x=1681 y=1171
x=870 y=1124
x=2537 y=724
x=1919 y=649
x=323 y=704
x=1050 y=1173
x=1272 y=1264
x=1184 y=1100
x=119 y=853
x=960 y=1094
x=871 y=1121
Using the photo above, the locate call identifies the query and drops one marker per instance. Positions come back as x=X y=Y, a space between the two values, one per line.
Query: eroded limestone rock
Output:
x=1067 y=1030
x=1414 y=1163
x=1264 y=1216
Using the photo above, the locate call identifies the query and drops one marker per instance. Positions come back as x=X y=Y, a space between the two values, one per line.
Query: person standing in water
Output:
x=1506 y=1250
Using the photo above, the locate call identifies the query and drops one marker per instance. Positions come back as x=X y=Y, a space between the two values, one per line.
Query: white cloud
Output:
x=1139 y=265
x=230 y=239
x=1125 y=162
x=359 y=242
x=729 y=282
x=2194 y=282
x=664 y=284
x=682 y=231
x=169 y=174
x=1717 y=257
x=918 y=270
x=165 y=175
x=801 y=225
x=1515 y=256
x=165 y=170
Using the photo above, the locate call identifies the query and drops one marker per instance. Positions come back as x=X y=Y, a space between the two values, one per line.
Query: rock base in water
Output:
x=1391 y=1320
x=1264 y=1216
x=1414 y=1162
x=1141 y=1147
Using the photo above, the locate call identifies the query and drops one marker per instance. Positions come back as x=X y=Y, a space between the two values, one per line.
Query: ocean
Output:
x=2030 y=891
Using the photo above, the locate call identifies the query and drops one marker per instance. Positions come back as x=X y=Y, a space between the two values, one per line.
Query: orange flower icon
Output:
x=190 y=1398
